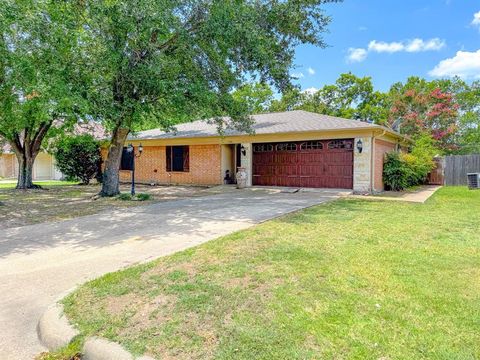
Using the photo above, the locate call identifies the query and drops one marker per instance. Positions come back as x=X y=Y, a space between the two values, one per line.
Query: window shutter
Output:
x=186 y=159
x=169 y=158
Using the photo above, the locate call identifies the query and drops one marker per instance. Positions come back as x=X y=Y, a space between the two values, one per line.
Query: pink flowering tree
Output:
x=433 y=113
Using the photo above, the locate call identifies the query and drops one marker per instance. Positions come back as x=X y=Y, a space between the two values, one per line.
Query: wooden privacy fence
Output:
x=436 y=176
x=456 y=168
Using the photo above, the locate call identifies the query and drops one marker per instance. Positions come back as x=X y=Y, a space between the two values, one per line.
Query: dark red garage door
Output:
x=316 y=164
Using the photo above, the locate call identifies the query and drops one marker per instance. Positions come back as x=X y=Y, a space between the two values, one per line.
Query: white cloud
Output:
x=464 y=64
x=356 y=55
x=298 y=75
x=362 y=28
x=417 y=45
x=381 y=46
x=310 y=91
x=311 y=71
x=412 y=46
x=476 y=19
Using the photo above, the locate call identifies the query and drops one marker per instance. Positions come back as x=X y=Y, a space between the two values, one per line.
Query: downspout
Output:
x=372 y=161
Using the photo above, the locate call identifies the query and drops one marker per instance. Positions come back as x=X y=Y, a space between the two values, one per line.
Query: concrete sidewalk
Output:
x=420 y=195
x=39 y=263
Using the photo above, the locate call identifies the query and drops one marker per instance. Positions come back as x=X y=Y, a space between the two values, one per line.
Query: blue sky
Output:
x=391 y=40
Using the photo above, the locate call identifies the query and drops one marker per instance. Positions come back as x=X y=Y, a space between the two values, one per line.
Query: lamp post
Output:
x=131 y=150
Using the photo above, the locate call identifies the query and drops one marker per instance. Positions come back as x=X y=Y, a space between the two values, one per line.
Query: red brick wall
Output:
x=381 y=148
x=205 y=167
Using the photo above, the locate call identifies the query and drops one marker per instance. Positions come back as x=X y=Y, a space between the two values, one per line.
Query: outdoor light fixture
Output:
x=140 y=148
x=359 y=146
x=244 y=151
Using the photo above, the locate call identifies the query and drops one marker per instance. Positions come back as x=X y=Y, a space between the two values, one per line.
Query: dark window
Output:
x=286 y=147
x=311 y=145
x=340 y=144
x=178 y=158
x=262 y=148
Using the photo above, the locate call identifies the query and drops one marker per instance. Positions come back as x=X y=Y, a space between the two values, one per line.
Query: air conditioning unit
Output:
x=473 y=180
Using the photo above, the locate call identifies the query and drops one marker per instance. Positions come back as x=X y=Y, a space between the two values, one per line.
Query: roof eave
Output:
x=353 y=129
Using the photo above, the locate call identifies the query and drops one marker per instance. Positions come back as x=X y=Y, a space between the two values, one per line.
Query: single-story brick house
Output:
x=295 y=148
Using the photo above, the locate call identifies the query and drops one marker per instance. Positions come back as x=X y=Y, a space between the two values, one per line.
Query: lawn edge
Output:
x=54 y=330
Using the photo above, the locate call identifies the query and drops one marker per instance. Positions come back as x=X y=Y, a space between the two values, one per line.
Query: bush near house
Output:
x=79 y=158
x=401 y=171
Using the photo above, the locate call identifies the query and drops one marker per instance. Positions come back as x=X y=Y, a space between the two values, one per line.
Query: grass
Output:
x=352 y=279
x=7 y=184
x=136 y=197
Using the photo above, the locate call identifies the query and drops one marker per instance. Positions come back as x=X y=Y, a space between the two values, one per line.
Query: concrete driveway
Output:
x=39 y=263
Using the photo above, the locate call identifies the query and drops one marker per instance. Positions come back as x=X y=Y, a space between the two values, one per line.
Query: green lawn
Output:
x=352 y=279
x=10 y=184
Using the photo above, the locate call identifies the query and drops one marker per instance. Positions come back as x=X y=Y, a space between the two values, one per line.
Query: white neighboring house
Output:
x=44 y=167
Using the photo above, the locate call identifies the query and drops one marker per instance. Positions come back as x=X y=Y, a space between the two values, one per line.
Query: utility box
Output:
x=473 y=180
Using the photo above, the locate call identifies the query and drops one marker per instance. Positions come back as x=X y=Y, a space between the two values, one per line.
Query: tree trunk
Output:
x=110 y=184
x=25 y=172
x=26 y=146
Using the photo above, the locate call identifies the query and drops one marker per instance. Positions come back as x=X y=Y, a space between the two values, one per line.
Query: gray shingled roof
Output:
x=272 y=123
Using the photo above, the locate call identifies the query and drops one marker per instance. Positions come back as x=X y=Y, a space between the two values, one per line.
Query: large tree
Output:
x=422 y=107
x=161 y=62
x=257 y=96
x=350 y=97
x=37 y=75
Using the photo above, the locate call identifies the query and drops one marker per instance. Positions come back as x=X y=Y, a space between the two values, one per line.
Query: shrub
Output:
x=394 y=172
x=137 y=197
x=401 y=171
x=143 y=197
x=124 y=197
x=78 y=157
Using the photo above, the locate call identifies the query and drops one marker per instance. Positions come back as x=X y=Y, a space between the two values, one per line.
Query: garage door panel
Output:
x=264 y=170
x=286 y=170
x=286 y=158
x=323 y=163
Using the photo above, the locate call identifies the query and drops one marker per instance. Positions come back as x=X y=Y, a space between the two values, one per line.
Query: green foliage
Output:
x=395 y=172
x=124 y=197
x=72 y=351
x=401 y=171
x=137 y=197
x=78 y=157
x=350 y=97
x=39 y=75
x=160 y=62
x=256 y=96
x=143 y=197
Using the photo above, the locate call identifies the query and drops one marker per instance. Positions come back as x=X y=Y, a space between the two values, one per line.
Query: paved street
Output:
x=39 y=263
